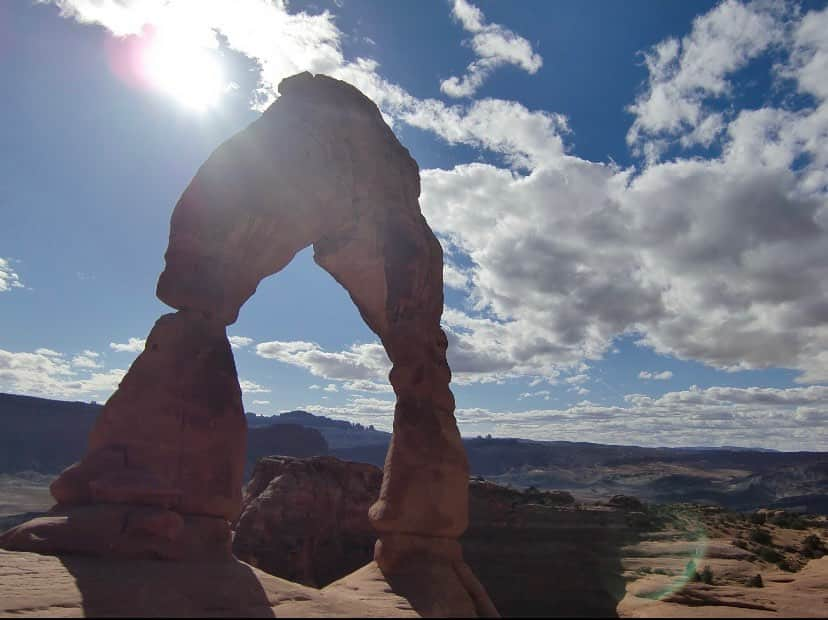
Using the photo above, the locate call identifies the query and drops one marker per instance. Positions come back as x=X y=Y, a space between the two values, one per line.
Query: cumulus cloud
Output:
x=8 y=276
x=685 y=74
x=545 y=394
x=87 y=359
x=656 y=376
x=722 y=260
x=494 y=46
x=251 y=387
x=48 y=373
x=239 y=342
x=134 y=345
x=785 y=419
x=361 y=362
x=261 y=402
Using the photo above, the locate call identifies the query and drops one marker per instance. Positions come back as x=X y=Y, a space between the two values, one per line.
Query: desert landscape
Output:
x=304 y=520
x=345 y=308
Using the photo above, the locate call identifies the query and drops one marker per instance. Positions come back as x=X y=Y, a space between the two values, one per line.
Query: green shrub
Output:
x=758 y=518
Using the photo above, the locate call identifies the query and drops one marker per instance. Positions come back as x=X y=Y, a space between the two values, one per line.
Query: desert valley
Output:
x=619 y=530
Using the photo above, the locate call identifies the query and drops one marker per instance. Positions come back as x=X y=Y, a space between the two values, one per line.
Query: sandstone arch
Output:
x=163 y=471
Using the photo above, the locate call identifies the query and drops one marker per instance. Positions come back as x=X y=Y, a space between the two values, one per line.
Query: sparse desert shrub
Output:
x=788 y=565
x=769 y=555
x=756 y=581
x=763 y=537
x=705 y=576
x=758 y=518
x=812 y=545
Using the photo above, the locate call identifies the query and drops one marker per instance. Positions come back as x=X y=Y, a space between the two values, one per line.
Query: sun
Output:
x=191 y=75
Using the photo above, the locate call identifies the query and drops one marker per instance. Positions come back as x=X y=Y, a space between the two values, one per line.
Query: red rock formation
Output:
x=320 y=167
x=166 y=455
x=306 y=520
x=536 y=553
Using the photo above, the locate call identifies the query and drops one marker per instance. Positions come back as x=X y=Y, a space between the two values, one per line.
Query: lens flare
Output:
x=192 y=76
x=687 y=526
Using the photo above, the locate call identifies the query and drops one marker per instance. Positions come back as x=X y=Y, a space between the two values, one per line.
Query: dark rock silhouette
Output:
x=320 y=167
x=306 y=520
x=536 y=553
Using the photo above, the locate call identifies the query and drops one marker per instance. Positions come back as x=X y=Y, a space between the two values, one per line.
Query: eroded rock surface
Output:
x=162 y=473
x=320 y=167
x=307 y=519
x=536 y=553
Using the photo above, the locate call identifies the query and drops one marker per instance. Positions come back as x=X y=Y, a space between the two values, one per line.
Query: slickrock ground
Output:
x=537 y=554
x=793 y=572
x=33 y=585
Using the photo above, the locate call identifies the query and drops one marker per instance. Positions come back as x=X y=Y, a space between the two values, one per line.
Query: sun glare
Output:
x=191 y=76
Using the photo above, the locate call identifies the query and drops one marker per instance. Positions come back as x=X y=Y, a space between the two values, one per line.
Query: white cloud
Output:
x=656 y=376
x=365 y=410
x=809 y=58
x=8 y=276
x=454 y=277
x=49 y=374
x=135 y=345
x=723 y=260
x=239 y=342
x=360 y=385
x=48 y=352
x=87 y=359
x=331 y=387
x=250 y=387
x=714 y=416
x=365 y=362
x=261 y=402
x=545 y=394
x=785 y=419
x=685 y=74
x=494 y=46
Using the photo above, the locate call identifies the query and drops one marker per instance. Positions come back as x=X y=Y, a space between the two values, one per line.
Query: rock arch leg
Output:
x=162 y=474
x=392 y=267
x=397 y=284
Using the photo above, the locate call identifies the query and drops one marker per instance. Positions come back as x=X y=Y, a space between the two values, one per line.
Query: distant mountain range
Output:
x=48 y=435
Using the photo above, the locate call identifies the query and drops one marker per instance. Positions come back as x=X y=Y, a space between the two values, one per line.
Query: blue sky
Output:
x=632 y=198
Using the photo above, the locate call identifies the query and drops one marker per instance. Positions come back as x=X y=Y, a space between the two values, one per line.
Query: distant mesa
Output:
x=167 y=454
